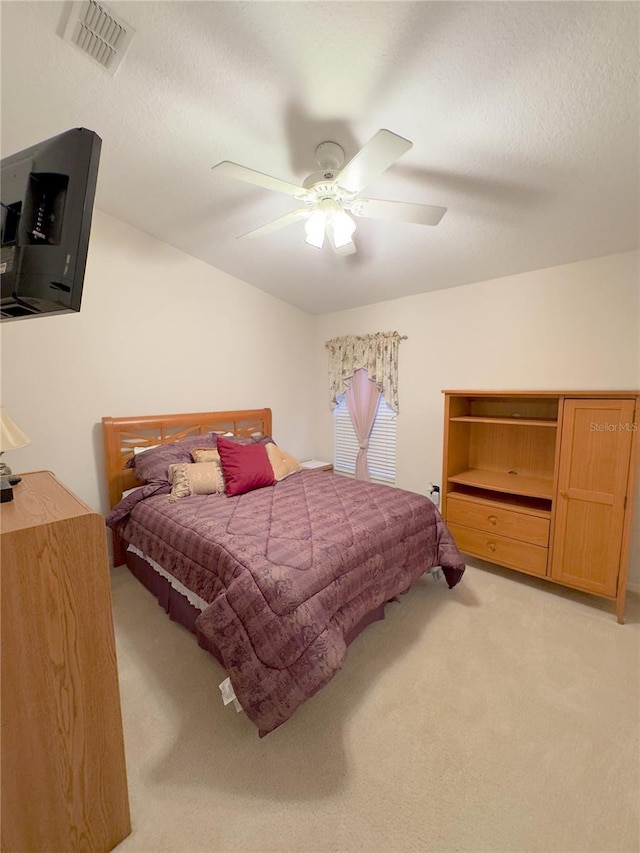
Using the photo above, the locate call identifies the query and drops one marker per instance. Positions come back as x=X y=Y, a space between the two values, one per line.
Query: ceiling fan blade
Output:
x=250 y=176
x=372 y=160
x=280 y=222
x=403 y=211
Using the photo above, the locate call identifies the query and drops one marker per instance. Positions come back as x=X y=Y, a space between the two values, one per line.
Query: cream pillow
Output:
x=196 y=478
x=205 y=454
x=283 y=463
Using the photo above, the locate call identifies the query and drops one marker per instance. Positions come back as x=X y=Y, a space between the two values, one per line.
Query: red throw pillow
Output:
x=245 y=467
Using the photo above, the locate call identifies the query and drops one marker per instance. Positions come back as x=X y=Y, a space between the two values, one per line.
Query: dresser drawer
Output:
x=483 y=515
x=500 y=549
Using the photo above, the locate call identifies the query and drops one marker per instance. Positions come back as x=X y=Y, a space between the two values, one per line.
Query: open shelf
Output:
x=529 y=410
x=522 y=503
x=537 y=422
x=501 y=481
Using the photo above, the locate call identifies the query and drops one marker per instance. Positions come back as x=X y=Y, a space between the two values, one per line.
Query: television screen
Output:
x=47 y=193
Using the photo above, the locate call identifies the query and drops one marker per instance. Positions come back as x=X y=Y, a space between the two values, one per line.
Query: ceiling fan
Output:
x=331 y=196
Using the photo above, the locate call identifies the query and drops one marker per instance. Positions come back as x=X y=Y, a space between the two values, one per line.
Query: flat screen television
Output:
x=47 y=193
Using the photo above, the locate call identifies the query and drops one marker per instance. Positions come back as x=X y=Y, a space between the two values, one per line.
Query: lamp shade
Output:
x=314 y=228
x=11 y=436
x=343 y=228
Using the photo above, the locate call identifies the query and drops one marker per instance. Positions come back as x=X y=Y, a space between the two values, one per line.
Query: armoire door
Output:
x=591 y=493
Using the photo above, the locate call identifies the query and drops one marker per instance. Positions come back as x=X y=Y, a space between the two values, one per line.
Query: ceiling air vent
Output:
x=98 y=32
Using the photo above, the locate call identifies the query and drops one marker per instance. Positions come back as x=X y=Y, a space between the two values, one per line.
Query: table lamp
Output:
x=11 y=438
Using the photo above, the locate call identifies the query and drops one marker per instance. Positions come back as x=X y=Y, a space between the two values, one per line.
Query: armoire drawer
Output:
x=482 y=515
x=500 y=549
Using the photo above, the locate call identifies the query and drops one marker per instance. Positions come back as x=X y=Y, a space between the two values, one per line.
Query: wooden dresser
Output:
x=543 y=482
x=64 y=785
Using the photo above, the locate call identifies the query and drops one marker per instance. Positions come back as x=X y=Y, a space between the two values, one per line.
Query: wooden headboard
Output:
x=121 y=435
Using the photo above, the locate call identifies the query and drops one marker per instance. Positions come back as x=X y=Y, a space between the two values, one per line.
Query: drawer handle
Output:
x=492 y=519
x=492 y=547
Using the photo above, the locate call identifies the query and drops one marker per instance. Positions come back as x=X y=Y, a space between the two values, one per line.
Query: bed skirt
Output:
x=182 y=611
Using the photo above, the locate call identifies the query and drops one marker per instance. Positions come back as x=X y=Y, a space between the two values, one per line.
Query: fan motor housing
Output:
x=318 y=180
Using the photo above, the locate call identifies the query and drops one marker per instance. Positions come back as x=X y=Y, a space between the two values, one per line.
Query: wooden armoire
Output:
x=543 y=482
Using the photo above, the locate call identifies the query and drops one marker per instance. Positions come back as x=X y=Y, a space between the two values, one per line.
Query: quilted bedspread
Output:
x=288 y=571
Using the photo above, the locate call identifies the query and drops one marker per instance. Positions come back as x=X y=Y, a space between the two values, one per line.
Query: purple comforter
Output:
x=288 y=571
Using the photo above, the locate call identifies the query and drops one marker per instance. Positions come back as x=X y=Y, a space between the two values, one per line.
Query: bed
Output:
x=274 y=581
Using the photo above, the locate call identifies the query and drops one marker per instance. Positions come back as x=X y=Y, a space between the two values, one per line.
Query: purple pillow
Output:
x=245 y=467
x=152 y=466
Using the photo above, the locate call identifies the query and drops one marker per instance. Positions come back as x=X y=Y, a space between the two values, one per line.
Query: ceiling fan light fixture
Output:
x=314 y=228
x=343 y=229
x=327 y=195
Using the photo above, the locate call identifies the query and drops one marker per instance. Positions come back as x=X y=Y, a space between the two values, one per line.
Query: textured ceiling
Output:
x=524 y=119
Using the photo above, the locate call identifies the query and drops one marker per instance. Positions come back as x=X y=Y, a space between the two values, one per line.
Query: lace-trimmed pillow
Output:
x=195 y=478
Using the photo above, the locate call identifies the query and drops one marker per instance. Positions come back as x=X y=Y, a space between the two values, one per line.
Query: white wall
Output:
x=159 y=332
x=575 y=326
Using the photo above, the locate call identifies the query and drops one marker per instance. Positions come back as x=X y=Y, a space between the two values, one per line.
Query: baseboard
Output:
x=633 y=587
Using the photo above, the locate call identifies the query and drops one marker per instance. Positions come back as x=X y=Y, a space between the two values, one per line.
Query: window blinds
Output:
x=381 y=453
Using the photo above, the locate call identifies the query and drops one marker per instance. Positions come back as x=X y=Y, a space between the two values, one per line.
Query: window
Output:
x=382 y=443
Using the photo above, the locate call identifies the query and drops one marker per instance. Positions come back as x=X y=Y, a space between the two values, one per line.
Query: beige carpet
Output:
x=503 y=715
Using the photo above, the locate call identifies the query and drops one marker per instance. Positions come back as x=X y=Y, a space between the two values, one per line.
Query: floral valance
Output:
x=377 y=353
